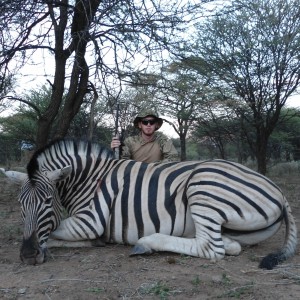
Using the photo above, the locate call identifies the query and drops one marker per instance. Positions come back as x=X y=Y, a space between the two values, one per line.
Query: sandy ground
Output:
x=109 y=272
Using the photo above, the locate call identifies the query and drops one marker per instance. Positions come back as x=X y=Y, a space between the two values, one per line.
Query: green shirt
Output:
x=159 y=149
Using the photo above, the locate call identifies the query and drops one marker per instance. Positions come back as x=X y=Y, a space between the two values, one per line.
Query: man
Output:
x=149 y=146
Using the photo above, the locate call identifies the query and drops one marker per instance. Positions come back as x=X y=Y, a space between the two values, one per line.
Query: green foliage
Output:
x=159 y=289
x=225 y=279
x=22 y=125
x=9 y=149
x=214 y=135
x=79 y=129
x=285 y=140
x=249 y=53
x=196 y=281
x=240 y=291
x=282 y=169
x=192 y=151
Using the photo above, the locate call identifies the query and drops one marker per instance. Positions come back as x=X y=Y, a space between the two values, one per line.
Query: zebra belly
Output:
x=130 y=234
x=255 y=236
x=251 y=220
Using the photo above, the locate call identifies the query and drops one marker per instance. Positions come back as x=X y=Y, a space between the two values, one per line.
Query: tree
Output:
x=217 y=129
x=22 y=124
x=87 y=41
x=89 y=123
x=177 y=93
x=285 y=139
x=250 y=50
x=180 y=96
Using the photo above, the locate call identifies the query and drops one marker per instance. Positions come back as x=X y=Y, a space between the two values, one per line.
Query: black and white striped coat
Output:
x=205 y=209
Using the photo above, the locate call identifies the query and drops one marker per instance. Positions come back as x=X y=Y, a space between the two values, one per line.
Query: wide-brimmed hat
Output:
x=143 y=115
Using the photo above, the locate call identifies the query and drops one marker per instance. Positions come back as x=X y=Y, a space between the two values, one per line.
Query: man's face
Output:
x=148 y=125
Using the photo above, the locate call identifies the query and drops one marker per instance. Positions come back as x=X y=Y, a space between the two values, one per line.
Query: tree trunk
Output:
x=92 y=113
x=261 y=151
x=182 y=147
x=84 y=12
x=220 y=146
x=46 y=120
x=77 y=90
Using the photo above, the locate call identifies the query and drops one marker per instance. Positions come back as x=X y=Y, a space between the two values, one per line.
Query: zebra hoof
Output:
x=140 y=249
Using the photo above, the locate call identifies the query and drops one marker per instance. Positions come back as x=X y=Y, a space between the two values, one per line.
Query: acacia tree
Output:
x=22 y=124
x=252 y=48
x=88 y=41
x=181 y=94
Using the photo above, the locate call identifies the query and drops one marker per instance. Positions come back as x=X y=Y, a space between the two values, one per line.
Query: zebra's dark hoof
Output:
x=140 y=249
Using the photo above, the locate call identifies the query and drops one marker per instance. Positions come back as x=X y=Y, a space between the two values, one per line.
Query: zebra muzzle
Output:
x=31 y=253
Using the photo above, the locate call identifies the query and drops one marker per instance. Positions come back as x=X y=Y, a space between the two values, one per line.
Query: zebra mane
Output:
x=69 y=145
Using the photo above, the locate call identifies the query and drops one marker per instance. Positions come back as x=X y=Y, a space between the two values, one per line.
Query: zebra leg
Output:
x=162 y=242
x=208 y=242
x=199 y=246
x=231 y=247
x=78 y=228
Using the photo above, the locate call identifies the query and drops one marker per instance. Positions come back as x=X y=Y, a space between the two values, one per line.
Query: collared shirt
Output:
x=159 y=149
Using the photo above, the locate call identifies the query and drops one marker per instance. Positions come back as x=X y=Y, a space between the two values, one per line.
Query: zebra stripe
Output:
x=201 y=209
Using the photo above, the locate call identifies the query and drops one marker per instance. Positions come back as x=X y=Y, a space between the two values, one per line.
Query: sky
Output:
x=294 y=101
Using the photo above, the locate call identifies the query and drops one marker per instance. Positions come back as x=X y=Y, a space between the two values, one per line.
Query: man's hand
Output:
x=115 y=142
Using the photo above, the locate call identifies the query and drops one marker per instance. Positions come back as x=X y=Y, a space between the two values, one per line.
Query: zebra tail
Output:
x=290 y=243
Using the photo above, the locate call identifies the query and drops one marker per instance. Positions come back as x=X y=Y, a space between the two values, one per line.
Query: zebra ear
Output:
x=59 y=174
x=17 y=177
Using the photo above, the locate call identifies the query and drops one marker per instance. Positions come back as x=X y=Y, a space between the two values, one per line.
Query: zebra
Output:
x=205 y=209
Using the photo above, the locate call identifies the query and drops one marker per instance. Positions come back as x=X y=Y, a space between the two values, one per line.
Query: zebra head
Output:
x=41 y=212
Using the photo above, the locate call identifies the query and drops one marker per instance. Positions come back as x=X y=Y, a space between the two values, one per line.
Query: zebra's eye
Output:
x=48 y=200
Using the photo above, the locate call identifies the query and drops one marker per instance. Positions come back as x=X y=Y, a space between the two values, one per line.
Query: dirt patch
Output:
x=109 y=272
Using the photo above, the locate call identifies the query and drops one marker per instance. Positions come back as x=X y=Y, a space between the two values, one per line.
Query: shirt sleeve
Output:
x=169 y=151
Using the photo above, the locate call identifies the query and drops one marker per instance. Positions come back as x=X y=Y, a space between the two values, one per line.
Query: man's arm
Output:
x=125 y=152
x=169 y=151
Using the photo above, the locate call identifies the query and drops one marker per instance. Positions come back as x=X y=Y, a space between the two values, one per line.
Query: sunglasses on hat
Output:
x=146 y=122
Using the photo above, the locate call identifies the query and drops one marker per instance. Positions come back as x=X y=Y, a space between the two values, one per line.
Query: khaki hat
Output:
x=143 y=115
